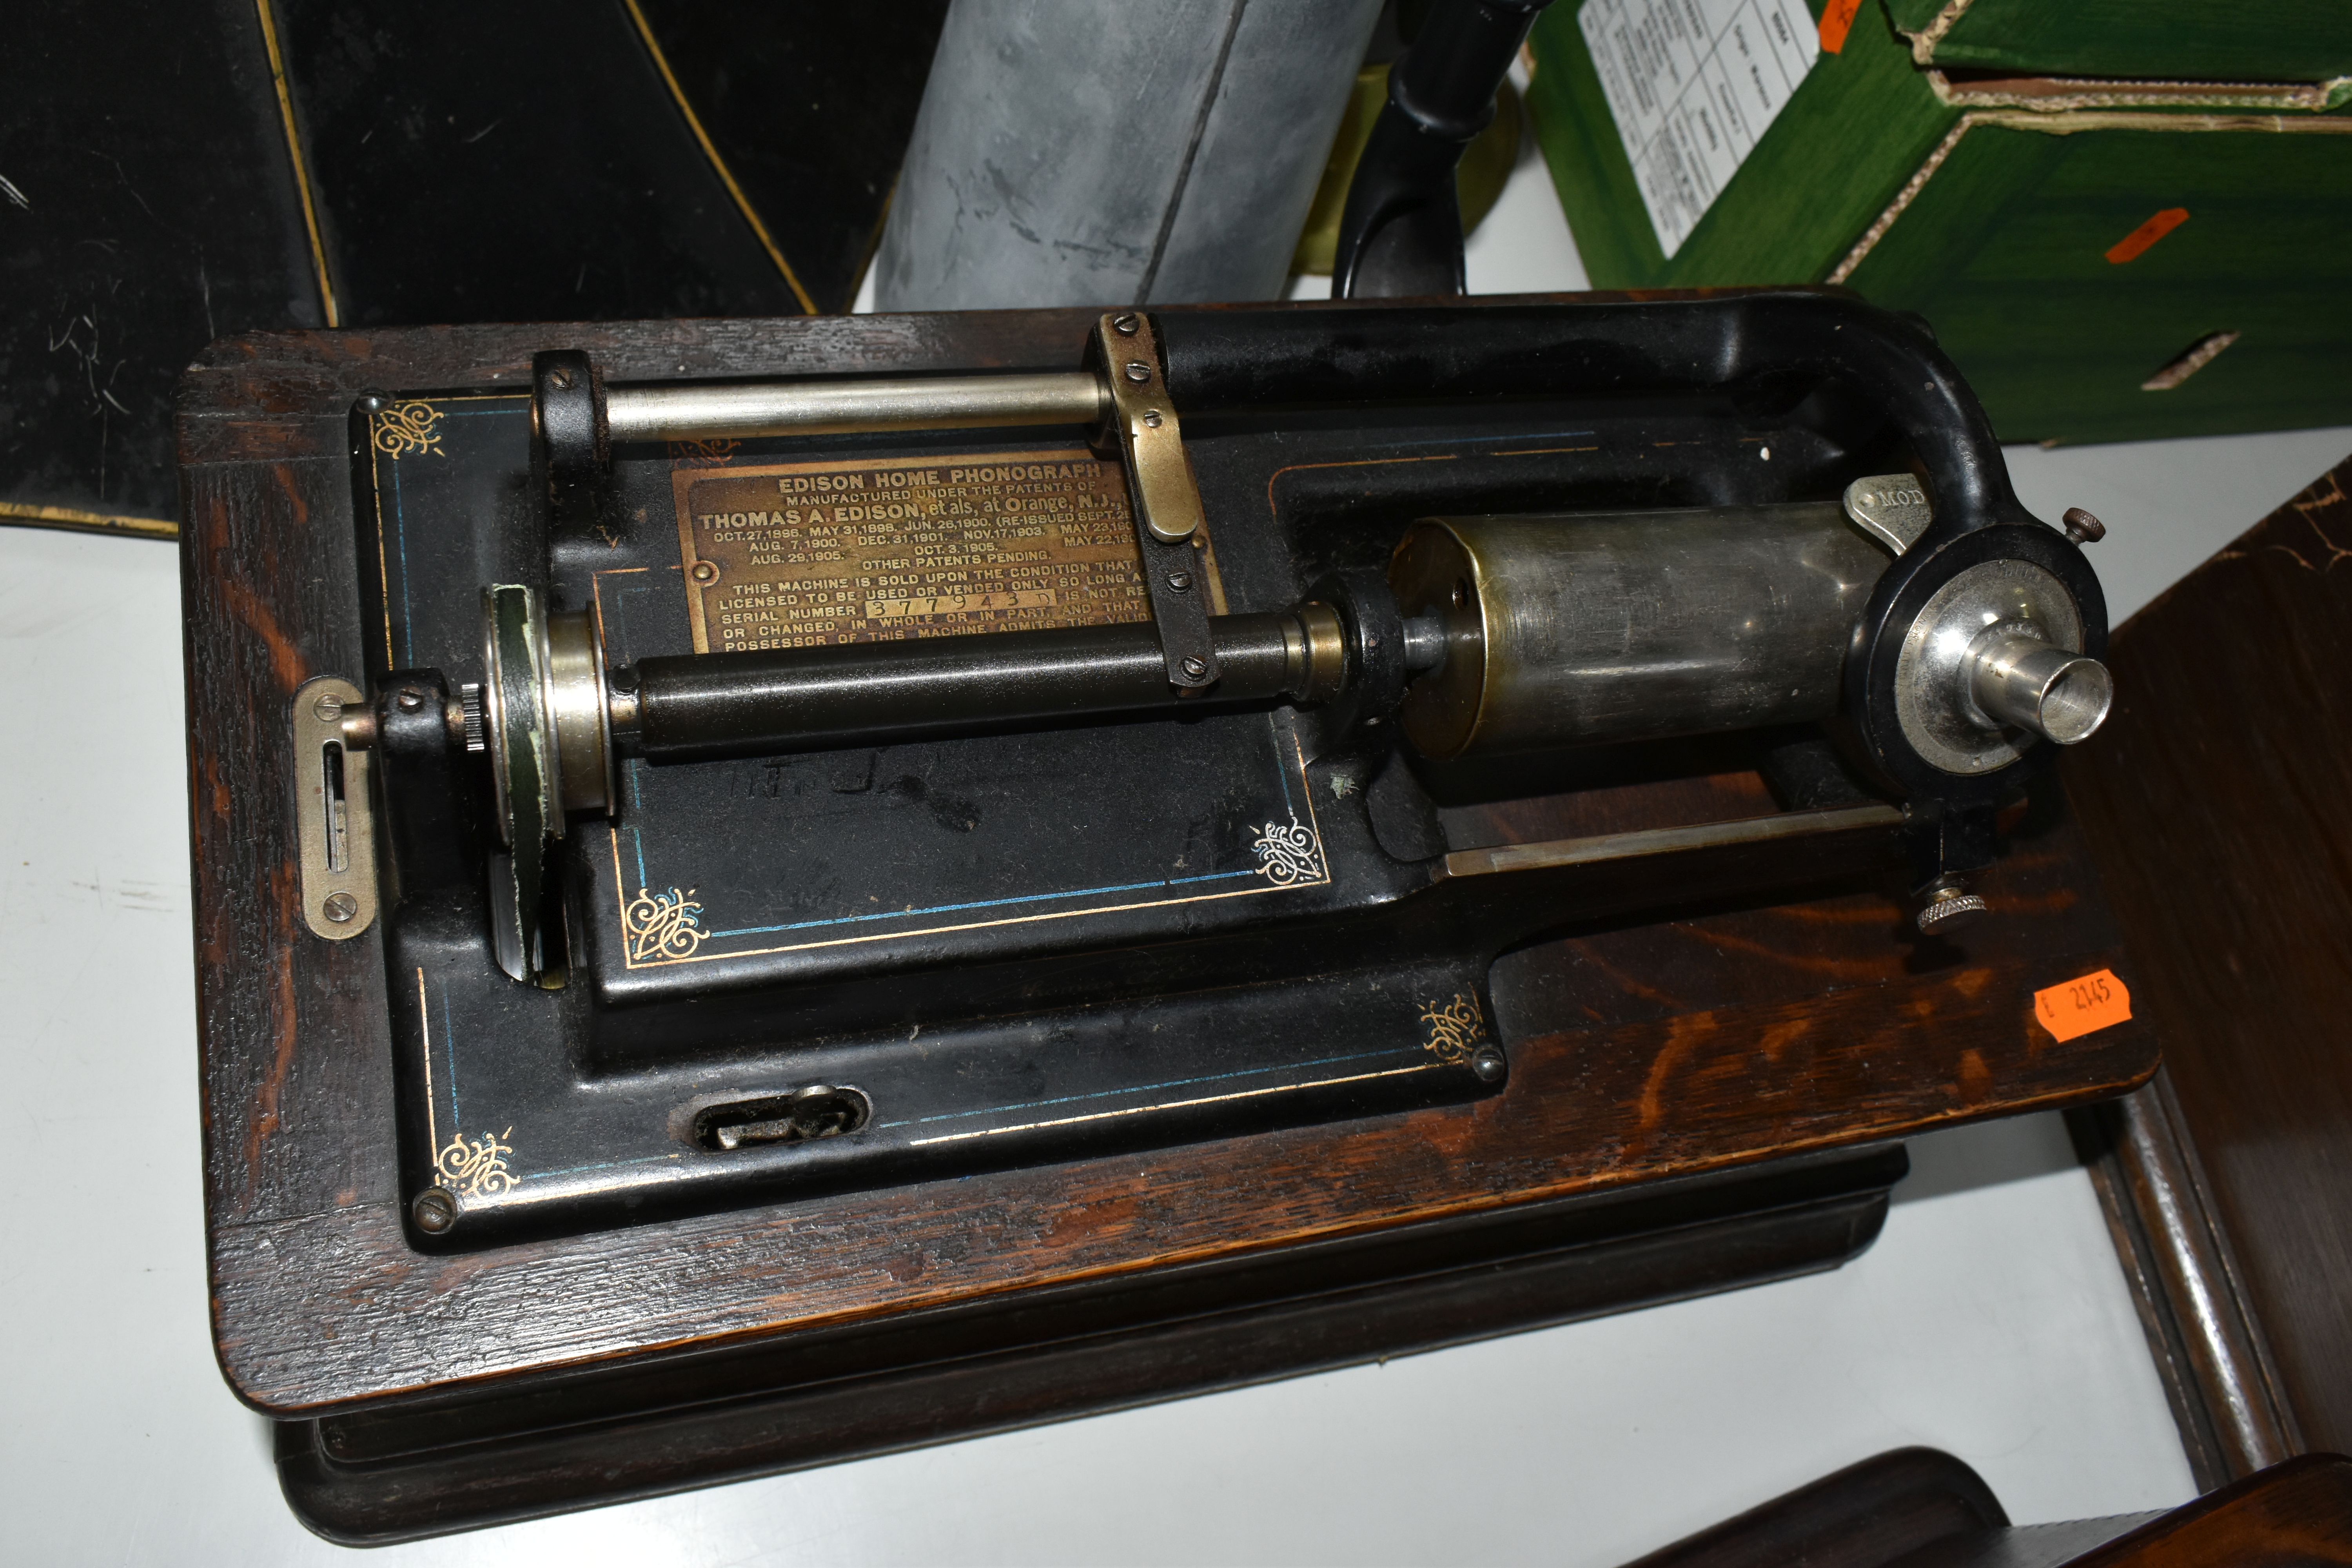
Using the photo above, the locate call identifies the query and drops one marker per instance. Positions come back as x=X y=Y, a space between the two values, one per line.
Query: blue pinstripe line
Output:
x=599 y=1165
x=986 y=903
x=449 y=1044
x=1134 y=1088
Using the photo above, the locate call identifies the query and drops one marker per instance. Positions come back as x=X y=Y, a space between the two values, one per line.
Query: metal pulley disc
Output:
x=523 y=765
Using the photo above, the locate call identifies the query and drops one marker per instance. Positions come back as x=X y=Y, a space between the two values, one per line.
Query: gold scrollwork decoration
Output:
x=1456 y=1028
x=1289 y=855
x=406 y=427
x=662 y=927
x=716 y=452
x=477 y=1167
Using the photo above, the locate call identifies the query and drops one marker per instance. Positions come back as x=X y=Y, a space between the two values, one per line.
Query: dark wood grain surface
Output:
x=2181 y=1270
x=1698 y=1045
x=1918 y=1508
x=2217 y=807
x=2296 y=1514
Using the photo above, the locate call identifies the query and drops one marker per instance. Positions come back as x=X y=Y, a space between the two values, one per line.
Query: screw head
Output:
x=1948 y=905
x=1151 y=418
x=328 y=710
x=1124 y=324
x=2081 y=527
x=1180 y=581
x=433 y=1211
x=1488 y=1064
x=1138 y=371
x=410 y=699
x=339 y=908
x=704 y=571
x=1195 y=667
x=560 y=378
x=374 y=402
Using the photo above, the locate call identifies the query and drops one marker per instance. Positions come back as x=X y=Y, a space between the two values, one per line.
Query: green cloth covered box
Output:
x=2106 y=260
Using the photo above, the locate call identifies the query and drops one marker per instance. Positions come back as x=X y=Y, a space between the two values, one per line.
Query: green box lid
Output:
x=2198 y=41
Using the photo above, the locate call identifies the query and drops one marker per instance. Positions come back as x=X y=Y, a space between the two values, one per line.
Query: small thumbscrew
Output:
x=1948 y=904
x=2081 y=527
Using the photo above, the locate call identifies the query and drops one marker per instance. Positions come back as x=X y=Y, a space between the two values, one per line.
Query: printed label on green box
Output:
x=1692 y=84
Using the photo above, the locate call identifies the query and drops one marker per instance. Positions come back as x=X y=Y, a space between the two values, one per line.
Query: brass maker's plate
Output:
x=794 y=554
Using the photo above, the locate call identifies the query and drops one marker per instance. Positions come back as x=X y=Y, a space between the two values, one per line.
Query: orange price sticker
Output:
x=2133 y=246
x=2079 y=1006
x=1837 y=21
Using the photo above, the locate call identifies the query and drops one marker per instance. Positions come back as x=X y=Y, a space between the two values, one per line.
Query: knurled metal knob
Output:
x=1947 y=907
x=469 y=704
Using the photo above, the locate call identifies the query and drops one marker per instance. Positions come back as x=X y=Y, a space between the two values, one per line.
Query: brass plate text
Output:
x=798 y=554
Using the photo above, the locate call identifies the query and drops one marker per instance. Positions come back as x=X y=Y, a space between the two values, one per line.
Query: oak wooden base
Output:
x=961 y=1372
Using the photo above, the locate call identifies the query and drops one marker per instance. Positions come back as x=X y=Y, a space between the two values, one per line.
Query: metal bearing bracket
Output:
x=334 y=815
x=1169 y=529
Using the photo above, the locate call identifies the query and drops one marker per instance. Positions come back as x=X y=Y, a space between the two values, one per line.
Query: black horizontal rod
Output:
x=705 y=706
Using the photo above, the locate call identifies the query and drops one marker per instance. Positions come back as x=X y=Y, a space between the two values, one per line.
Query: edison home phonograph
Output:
x=770 y=891
x=913 y=845
x=1009 y=784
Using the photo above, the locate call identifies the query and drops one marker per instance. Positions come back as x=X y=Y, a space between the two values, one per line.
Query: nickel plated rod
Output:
x=692 y=707
x=845 y=404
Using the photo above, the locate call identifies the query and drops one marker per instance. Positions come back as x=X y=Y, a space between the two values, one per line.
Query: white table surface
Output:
x=1989 y=1318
